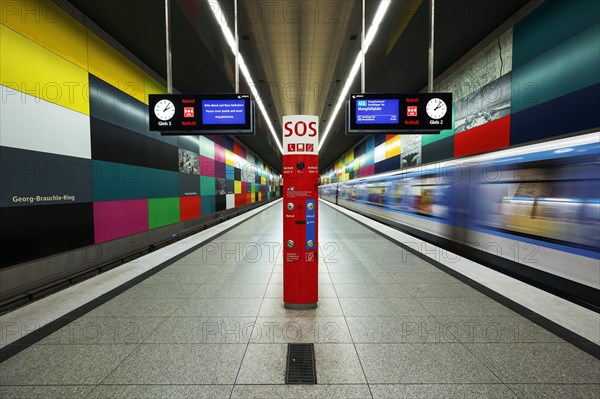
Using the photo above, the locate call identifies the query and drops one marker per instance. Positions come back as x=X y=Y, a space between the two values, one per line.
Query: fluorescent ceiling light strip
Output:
x=231 y=41
x=383 y=6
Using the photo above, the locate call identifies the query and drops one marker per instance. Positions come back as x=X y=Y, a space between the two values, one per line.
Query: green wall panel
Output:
x=115 y=181
x=550 y=24
x=162 y=211
x=207 y=148
x=570 y=66
x=207 y=185
x=431 y=138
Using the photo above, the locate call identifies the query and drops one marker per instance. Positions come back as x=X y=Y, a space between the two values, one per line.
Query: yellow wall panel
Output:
x=114 y=68
x=28 y=67
x=348 y=157
x=152 y=87
x=237 y=187
x=229 y=158
x=392 y=147
x=260 y=196
x=263 y=180
x=48 y=25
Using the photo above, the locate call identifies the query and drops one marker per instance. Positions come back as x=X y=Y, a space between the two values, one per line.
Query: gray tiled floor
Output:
x=212 y=325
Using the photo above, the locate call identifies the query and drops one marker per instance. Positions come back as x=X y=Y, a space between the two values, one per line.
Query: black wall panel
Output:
x=31 y=178
x=113 y=105
x=33 y=232
x=388 y=164
x=162 y=155
x=220 y=202
x=229 y=186
x=189 y=143
x=360 y=149
x=379 y=139
x=189 y=185
x=570 y=113
x=438 y=150
x=113 y=143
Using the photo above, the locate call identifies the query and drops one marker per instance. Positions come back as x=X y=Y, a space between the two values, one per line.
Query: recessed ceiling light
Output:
x=381 y=10
x=218 y=13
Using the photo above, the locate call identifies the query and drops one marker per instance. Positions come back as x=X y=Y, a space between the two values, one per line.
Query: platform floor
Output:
x=213 y=325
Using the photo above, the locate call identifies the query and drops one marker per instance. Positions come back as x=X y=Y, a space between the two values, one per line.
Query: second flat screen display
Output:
x=223 y=112
x=377 y=111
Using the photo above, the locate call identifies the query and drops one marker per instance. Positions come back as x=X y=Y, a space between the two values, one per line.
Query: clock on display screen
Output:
x=436 y=108
x=164 y=110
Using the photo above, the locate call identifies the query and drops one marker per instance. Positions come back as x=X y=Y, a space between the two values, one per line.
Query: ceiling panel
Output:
x=298 y=52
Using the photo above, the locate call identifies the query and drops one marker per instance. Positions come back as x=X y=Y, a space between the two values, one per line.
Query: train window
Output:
x=375 y=193
x=395 y=195
x=346 y=192
x=428 y=199
x=557 y=202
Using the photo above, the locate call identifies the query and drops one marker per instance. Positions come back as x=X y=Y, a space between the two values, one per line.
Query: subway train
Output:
x=532 y=212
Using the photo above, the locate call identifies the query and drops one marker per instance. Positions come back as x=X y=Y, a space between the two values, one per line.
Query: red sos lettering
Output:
x=300 y=129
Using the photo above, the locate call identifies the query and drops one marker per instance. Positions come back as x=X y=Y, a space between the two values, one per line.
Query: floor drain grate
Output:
x=300 y=368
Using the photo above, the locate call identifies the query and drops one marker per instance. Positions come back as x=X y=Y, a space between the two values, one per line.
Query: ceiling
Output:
x=299 y=53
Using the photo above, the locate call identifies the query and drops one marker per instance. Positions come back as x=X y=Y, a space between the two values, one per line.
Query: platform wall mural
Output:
x=78 y=164
x=538 y=80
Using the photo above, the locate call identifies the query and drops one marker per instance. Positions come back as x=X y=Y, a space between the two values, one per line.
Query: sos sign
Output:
x=300 y=134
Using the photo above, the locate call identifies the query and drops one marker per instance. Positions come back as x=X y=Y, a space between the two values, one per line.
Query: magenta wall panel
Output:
x=114 y=219
x=366 y=170
x=207 y=166
x=219 y=153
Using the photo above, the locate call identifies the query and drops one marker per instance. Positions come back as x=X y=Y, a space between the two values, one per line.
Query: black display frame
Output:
x=422 y=124
x=195 y=125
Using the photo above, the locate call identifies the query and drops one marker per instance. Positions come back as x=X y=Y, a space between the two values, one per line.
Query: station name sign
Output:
x=396 y=113
x=179 y=114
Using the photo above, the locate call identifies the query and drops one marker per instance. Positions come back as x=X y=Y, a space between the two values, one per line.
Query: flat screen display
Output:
x=180 y=114
x=377 y=111
x=223 y=112
x=393 y=113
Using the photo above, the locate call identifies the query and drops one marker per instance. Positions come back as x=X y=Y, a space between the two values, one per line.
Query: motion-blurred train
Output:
x=532 y=212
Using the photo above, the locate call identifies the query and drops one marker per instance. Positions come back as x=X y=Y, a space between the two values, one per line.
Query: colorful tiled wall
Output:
x=78 y=163
x=538 y=80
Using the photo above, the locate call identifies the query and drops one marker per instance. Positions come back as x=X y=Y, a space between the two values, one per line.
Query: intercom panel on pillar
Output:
x=300 y=211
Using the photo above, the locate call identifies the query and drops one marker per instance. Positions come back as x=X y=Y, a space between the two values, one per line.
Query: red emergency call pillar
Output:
x=300 y=211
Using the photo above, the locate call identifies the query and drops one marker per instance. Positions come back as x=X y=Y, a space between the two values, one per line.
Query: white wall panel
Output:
x=230 y=201
x=30 y=123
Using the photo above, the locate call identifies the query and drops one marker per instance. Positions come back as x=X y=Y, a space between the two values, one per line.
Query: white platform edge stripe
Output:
x=571 y=316
x=36 y=315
